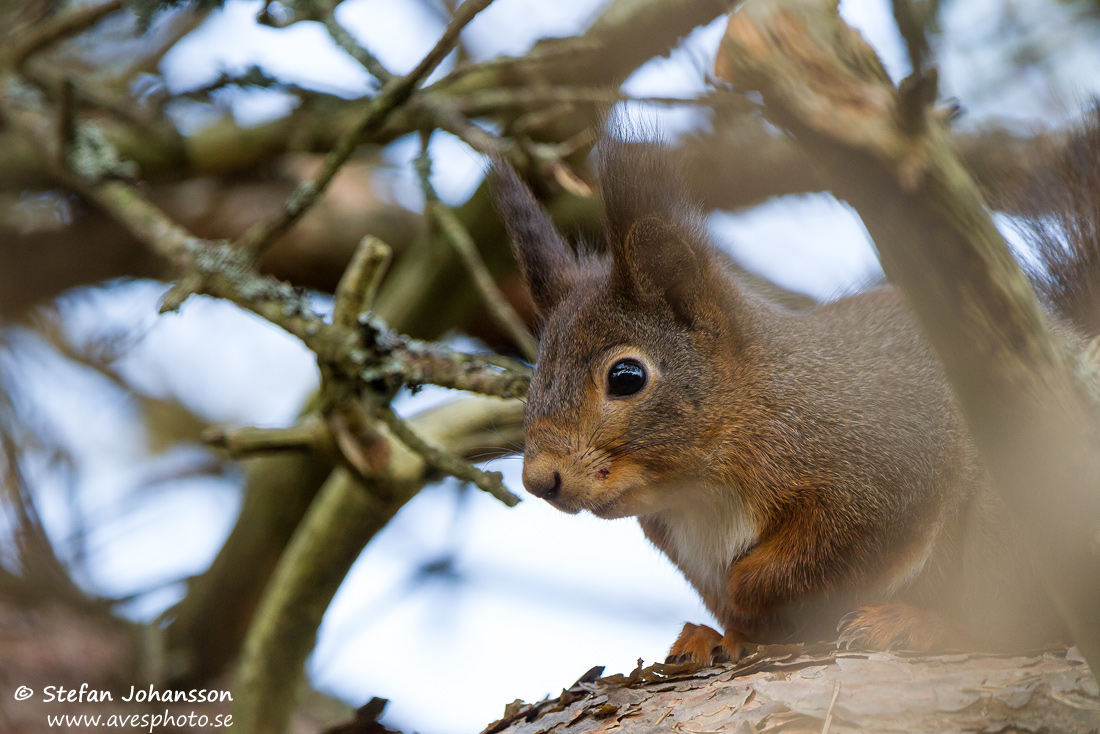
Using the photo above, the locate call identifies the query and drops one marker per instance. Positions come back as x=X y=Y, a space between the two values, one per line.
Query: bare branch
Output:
x=912 y=26
x=393 y=94
x=355 y=50
x=309 y=435
x=343 y=518
x=490 y=482
x=54 y=29
x=459 y=238
x=356 y=291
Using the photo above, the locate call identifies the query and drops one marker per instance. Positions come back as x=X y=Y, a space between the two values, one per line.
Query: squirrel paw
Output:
x=702 y=645
x=896 y=625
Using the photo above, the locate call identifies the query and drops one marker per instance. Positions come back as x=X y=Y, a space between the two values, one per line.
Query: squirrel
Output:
x=793 y=464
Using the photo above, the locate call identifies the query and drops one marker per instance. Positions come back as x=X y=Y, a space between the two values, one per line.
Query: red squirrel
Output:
x=794 y=464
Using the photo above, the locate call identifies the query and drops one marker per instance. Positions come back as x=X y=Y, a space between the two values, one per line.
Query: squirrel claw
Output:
x=851 y=636
x=900 y=638
x=847 y=619
x=890 y=625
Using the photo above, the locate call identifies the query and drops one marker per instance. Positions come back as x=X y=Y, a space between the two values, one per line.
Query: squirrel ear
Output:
x=655 y=261
x=654 y=230
x=545 y=259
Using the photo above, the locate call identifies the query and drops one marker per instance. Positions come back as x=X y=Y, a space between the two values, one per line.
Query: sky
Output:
x=532 y=598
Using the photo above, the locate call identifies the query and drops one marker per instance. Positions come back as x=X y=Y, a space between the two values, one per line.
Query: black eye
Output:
x=626 y=377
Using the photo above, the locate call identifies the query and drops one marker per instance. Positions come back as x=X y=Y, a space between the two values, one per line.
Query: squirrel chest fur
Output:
x=793 y=465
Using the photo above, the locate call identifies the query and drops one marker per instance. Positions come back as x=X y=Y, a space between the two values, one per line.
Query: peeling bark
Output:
x=816 y=689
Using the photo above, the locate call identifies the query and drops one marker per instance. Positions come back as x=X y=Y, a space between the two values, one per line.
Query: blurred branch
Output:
x=442 y=216
x=1028 y=396
x=309 y=435
x=626 y=34
x=343 y=519
x=354 y=49
x=338 y=524
x=769 y=165
x=393 y=94
x=356 y=291
x=55 y=28
x=253 y=76
x=42 y=575
x=489 y=482
x=496 y=101
x=912 y=25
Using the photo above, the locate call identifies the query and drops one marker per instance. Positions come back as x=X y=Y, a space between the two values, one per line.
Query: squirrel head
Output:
x=634 y=353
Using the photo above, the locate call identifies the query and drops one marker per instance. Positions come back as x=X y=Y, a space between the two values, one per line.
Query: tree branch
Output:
x=356 y=291
x=459 y=238
x=489 y=482
x=55 y=28
x=393 y=94
x=308 y=435
x=345 y=516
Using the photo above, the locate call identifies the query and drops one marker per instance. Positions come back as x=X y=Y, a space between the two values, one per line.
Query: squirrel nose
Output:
x=546 y=485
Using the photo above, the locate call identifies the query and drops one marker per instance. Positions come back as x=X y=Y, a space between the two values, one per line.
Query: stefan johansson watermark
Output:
x=85 y=695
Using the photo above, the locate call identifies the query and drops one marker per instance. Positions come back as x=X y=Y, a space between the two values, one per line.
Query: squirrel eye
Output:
x=626 y=377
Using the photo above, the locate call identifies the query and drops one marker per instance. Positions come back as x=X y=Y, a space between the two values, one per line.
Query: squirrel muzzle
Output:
x=571 y=483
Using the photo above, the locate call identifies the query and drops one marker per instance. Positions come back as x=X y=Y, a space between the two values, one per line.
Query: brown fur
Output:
x=792 y=464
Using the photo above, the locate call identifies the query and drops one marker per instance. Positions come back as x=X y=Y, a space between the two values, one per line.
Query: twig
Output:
x=253 y=76
x=359 y=284
x=428 y=363
x=309 y=435
x=258 y=238
x=445 y=462
x=230 y=274
x=188 y=285
x=444 y=113
x=912 y=27
x=512 y=365
x=442 y=216
x=355 y=50
x=440 y=109
x=490 y=101
x=54 y=29
x=355 y=432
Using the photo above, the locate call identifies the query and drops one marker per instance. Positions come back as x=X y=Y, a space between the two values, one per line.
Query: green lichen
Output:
x=95 y=159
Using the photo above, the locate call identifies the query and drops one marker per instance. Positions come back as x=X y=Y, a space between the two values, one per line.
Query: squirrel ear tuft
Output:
x=654 y=229
x=545 y=259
